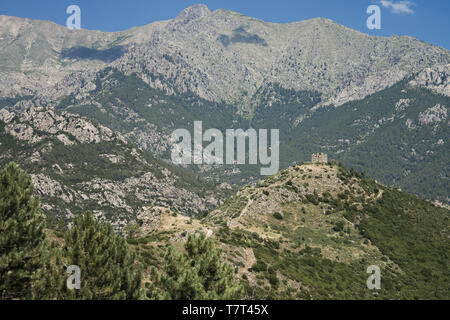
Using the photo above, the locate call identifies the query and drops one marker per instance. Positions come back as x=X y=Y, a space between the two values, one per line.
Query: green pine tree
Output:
x=108 y=269
x=22 y=237
x=194 y=275
x=131 y=230
x=50 y=280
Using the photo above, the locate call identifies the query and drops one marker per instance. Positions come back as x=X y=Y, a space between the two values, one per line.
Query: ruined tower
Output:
x=319 y=158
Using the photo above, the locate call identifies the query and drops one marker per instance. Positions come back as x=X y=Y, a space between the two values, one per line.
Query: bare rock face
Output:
x=149 y=218
x=45 y=120
x=6 y=116
x=436 y=78
x=433 y=115
x=45 y=185
x=402 y=105
x=192 y=13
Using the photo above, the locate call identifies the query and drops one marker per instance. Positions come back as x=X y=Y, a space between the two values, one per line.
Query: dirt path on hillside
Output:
x=250 y=260
x=233 y=223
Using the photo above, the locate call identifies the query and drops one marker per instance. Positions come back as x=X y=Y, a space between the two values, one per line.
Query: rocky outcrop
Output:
x=433 y=115
x=149 y=218
x=35 y=123
x=435 y=78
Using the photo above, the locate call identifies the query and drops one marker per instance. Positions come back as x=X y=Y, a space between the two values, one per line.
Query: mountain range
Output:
x=378 y=104
x=89 y=115
x=220 y=56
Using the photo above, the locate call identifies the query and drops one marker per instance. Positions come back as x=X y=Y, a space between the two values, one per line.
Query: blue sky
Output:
x=427 y=20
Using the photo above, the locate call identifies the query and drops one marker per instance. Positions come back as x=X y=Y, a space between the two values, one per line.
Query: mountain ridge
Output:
x=226 y=57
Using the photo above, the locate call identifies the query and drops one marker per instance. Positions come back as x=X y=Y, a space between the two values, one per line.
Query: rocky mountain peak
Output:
x=192 y=13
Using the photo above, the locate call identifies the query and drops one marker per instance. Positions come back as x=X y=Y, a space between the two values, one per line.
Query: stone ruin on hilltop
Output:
x=319 y=158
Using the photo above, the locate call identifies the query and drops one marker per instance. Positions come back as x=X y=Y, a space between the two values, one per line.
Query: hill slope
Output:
x=311 y=231
x=77 y=165
x=398 y=136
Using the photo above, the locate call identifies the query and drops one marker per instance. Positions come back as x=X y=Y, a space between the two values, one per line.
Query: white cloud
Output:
x=398 y=7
